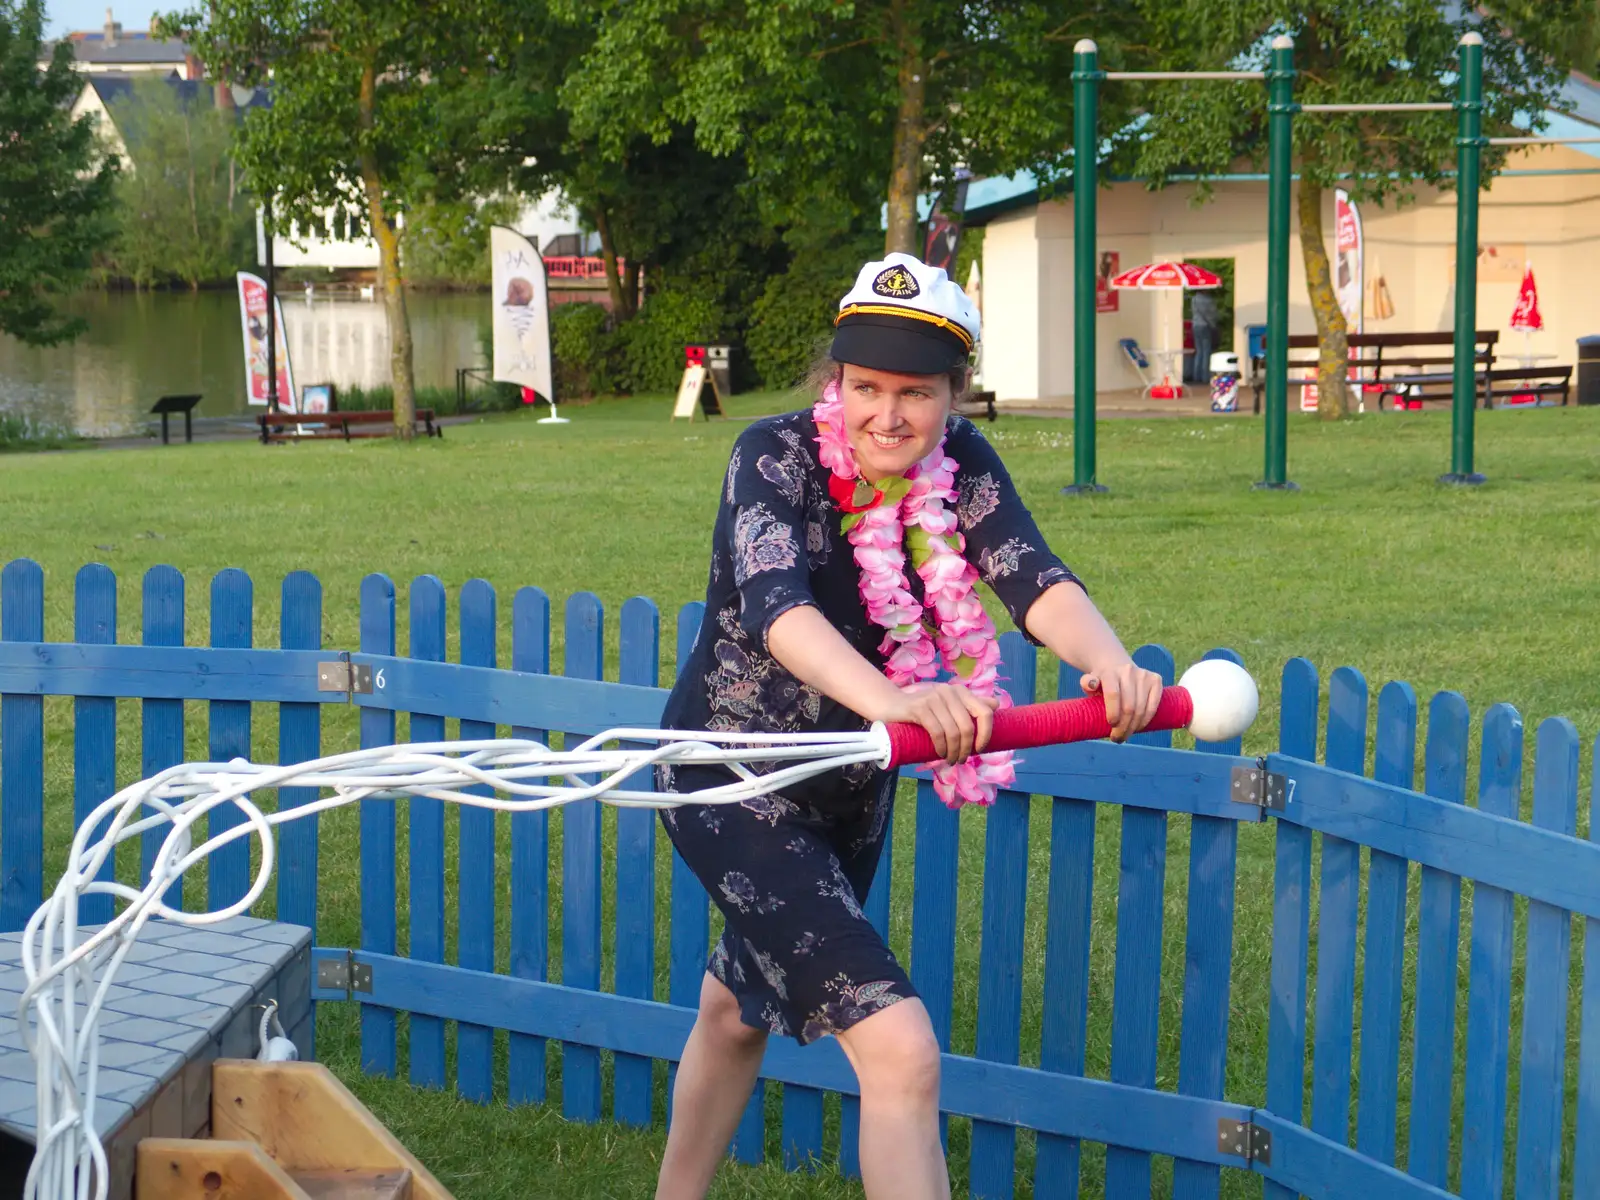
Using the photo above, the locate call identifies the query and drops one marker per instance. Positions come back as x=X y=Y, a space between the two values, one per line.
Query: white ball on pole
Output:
x=1225 y=699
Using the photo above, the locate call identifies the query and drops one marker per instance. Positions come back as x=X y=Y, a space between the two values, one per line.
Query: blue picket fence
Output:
x=1349 y=1103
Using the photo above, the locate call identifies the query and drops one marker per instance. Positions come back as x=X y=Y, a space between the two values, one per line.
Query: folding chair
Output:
x=1141 y=365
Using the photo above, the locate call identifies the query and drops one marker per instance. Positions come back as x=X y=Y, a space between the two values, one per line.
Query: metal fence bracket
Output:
x=344 y=974
x=353 y=679
x=1258 y=786
x=1244 y=1139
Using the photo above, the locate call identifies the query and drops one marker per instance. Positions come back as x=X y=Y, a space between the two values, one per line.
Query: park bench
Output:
x=1382 y=354
x=976 y=404
x=1505 y=382
x=286 y=426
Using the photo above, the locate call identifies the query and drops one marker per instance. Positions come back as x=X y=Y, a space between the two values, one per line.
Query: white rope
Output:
x=69 y=979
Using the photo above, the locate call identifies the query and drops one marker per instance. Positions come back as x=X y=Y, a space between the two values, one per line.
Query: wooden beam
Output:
x=349 y=1183
x=189 y=1169
x=306 y=1120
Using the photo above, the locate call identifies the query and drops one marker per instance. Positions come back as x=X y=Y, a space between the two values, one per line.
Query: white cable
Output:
x=69 y=979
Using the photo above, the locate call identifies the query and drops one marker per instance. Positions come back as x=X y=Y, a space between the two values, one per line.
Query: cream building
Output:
x=1542 y=210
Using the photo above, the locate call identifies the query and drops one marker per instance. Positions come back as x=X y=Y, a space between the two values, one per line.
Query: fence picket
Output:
x=1438 y=935
x=425 y=837
x=690 y=936
x=21 y=755
x=580 y=875
x=94 y=724
x=636 y=873
x=1337 y=914
x=1136 y=1007
x=1208 y=962
x=161 y=721
x=1483 y=1129
x=1383 y=972
x=1586 y=1151
x=1068 y=924
x=475 y=891
x=1546 y=967
x=936 y=867
x=299 y=740
x=1291 y=919
x=378 y=1048
x=232 y=625
x=530 y=858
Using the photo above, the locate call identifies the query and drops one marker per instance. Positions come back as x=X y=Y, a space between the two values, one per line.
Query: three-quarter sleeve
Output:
x=1002 y=540
x=764 y=498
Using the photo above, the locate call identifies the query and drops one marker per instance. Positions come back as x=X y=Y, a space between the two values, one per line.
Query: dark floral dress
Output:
x=790 y=869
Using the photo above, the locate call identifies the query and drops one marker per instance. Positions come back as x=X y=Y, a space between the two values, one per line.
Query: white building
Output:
x=136 y=52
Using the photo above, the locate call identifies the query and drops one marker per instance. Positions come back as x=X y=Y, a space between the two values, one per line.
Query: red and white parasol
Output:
x=1526 y=315
x=1167 y=276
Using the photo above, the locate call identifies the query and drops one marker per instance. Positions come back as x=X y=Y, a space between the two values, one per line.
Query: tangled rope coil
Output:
x=70 y=975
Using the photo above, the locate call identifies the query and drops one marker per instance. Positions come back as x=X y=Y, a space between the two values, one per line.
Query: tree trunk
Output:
x=1333 y=350
x=390 y=282
x=623 y=302
x=910 y=131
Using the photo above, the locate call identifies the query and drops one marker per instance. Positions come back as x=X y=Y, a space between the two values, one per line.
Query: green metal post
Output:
x=1086 y=78
x=1469 y=150
x=1280 y=165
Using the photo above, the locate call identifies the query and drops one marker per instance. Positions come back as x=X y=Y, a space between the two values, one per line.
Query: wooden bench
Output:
x=283 y=427
x=976 y=404
x=1388 y=352
x=1525 y=381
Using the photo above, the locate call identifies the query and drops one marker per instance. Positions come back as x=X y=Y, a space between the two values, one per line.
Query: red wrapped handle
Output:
x=1029 y=725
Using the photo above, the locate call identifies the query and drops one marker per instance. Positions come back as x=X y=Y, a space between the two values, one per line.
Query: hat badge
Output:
x=897 y=283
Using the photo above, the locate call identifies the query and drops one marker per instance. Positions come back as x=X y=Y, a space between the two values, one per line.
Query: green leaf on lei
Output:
x=849 y=521
x=894 y=490
x=965 y=665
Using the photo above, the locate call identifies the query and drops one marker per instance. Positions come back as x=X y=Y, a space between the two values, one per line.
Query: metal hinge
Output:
x=1245 y=1140
x=353 y=679
x=1258 y=786
x=344 y=974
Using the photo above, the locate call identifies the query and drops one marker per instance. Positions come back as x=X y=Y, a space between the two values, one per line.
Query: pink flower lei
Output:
x=912 y=511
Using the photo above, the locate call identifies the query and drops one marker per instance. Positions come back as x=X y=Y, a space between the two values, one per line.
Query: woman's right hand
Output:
x=958 y=721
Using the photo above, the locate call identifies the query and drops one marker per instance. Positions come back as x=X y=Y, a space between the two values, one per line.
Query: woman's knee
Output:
x=895 y=1054
x=720 y=1014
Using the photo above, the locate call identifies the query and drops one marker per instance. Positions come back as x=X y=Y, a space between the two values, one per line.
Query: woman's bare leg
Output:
x=896 y=1060
x=715 y=1078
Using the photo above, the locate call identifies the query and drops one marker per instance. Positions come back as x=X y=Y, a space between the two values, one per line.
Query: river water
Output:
x=141 y=347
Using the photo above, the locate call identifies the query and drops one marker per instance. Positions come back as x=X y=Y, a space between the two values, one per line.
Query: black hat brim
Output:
x=904 y=346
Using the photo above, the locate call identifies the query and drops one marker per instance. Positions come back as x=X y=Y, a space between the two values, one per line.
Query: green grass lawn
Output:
x=1488 y=591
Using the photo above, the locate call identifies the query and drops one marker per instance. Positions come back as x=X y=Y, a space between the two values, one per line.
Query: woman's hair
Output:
x=825 y=370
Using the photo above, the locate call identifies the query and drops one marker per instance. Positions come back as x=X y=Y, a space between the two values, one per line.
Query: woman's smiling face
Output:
x=893 y=421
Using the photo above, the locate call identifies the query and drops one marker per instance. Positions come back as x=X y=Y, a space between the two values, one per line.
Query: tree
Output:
x=181 y=213
x=55 y=183
x=351 y=134
x=872 y=99
x=1347 y=52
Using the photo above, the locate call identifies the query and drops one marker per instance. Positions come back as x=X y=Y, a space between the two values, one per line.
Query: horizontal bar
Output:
x=1310 y=1165
x=163 y=672
x=1153 y=777
x=1543 y=141
x=1177 y=75
x=1538 y=863
x=1441 y=106
x=1025 y=1097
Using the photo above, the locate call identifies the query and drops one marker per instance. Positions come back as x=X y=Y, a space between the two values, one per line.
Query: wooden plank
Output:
x=1546 y=968
x=1383 y=976
x=477 y=886
x=353 y=1183
x=993 y=1164
x=191 y=1169
x=94 y=724
x=1337 y=915
x=530 y=858
x=425 y=832
x=299 y=740
x=1291 y=918
x=1208 y=967
x=580 y=875
x=21 y=754
x=150 y=673
x=935 y=872
x=377 y=824
x=690 y=935
x=232 y=627
x=306 y=1120
x=1483 y=1129
x=1438 y=936
x=1068 y=928
x=1304 y=1163
x=632 y=1083
x=1136 y=1005
x=161 y=720
x=1136 y=776
x=1586 y=1152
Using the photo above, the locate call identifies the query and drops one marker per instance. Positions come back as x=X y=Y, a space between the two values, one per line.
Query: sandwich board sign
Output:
x=697 y=388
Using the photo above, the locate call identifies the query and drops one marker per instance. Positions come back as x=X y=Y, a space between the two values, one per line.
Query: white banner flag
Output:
x=253 y=325
x=521 y=312
x=1348 y=264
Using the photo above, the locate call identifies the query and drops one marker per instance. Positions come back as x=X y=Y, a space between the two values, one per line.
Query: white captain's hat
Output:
x=905 y=316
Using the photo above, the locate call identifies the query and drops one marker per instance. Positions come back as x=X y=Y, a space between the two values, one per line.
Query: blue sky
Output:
x=64 y=15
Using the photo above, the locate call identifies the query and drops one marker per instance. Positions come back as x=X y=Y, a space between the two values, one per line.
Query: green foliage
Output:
x=652 y=343
x=181 y=213
x=497 y=398
x=585 y=349
x=445 y=242
x=55 y=185
x=792 y=320
x=18 y=431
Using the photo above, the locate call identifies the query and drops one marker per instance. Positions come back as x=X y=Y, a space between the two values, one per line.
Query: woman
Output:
x=844 y=556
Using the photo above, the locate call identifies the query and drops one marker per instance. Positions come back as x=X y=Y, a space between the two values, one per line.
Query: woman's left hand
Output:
x=1131 y=694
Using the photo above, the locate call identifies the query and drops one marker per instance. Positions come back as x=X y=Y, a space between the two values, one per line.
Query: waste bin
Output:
x=717 y=360
x=1589 y=369
x=1224 y=381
